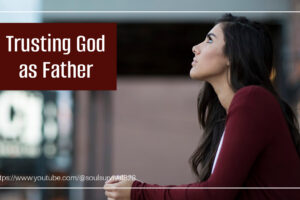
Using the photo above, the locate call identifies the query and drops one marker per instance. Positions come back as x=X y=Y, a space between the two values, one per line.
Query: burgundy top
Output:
x=257 y=151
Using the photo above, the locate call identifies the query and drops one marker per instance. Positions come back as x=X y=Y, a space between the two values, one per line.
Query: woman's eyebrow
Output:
x=211 y=34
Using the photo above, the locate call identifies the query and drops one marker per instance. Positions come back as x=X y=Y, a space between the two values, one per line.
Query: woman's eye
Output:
x=209 y=40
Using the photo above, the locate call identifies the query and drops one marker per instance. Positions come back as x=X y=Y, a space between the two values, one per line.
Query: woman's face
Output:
x=209 y=61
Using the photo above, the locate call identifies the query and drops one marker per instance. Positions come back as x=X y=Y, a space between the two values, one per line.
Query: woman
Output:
x=251 y=136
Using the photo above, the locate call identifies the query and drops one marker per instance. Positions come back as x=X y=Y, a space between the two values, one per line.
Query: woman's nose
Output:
x=195 y=49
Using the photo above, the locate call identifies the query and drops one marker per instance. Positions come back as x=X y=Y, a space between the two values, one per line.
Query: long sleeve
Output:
x=253 y=117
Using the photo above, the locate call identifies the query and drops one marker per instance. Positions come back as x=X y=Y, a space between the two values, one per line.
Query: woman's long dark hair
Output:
x=249 y=48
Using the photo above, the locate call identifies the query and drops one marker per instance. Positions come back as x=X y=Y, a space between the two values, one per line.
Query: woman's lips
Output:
x=194 y=61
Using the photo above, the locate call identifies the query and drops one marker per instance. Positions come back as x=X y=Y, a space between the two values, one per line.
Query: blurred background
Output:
x=148 y=127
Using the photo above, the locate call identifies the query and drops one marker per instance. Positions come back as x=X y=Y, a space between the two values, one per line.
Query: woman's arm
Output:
x=248 y=129
x=160 y=193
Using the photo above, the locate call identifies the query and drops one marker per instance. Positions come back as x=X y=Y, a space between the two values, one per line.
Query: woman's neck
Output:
x=225 y=94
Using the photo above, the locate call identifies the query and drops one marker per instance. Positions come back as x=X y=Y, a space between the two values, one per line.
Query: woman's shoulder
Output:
x=254 y=96
x=253 y=89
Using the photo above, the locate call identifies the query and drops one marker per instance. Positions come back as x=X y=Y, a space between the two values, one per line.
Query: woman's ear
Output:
x=227 y=63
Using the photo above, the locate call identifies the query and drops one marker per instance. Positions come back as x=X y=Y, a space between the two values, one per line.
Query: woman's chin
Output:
x=194 y=74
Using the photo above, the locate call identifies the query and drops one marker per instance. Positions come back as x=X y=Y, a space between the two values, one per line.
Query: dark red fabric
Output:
x=257 y=151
